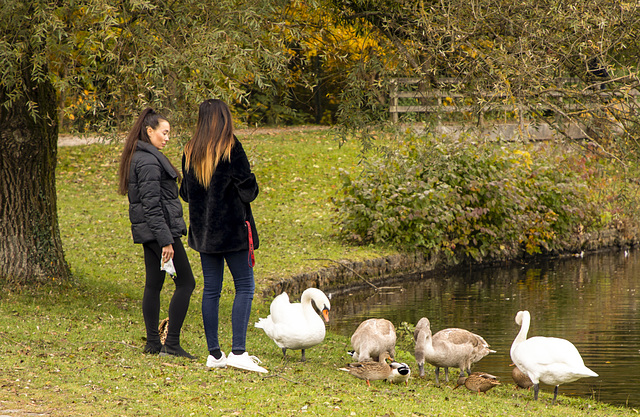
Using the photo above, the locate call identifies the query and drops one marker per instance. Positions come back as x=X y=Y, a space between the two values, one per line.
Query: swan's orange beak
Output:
x=325 y=314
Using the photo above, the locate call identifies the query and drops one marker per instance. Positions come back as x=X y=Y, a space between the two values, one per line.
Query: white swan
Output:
x=297 y=325
x=448 y=348
x=551 y=360
x=371 y=338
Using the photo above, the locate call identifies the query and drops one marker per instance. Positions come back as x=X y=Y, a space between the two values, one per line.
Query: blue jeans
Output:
x=212 y=271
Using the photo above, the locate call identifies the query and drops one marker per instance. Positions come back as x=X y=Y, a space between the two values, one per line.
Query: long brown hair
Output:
x=212 y=141
x=148 y=118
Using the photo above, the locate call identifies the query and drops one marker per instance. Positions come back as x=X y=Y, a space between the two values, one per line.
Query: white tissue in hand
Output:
x=168 y=266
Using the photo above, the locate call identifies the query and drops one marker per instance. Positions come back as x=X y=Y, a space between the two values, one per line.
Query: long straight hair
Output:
x=148 y=118
x=212 y=141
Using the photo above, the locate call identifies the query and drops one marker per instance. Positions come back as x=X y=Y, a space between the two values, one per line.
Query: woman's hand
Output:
x=167 y=253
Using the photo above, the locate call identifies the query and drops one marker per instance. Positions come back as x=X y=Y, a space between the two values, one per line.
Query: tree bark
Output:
x=30 y=245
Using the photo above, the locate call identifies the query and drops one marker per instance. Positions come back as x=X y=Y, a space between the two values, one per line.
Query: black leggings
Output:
x=185 y=283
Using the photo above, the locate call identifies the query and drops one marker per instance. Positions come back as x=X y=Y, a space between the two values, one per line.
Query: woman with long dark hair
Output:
x=150 y=181
x=219 y=186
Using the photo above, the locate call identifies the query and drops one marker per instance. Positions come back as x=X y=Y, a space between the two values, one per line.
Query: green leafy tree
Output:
x=508 y=55
x=95 y=64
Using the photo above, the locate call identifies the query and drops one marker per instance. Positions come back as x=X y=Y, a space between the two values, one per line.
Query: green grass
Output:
x=75 y=349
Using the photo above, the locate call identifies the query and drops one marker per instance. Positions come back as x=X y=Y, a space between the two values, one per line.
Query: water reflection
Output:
x=591 y=301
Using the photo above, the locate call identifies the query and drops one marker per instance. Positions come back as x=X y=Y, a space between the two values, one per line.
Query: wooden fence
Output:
x=433 y=99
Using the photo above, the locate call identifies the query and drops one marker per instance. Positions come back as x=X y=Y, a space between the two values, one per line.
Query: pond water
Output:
x=593 y=301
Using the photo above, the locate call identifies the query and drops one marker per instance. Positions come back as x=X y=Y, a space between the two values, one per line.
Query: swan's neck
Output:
x=524 y=329
x=426 y=340
x=307 y=305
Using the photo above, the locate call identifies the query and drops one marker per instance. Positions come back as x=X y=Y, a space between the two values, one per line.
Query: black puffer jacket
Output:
x=155 y=210
x=217 y=214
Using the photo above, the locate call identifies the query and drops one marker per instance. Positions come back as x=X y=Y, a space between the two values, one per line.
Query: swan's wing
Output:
x=480 y=348
x=290 y=314
x=464 y=337
x=279 y=303
x=279 y=307
x=282 y=311
x=452 y=335
x=461 y=339
x=386 y=330
x=479 y=342
x=548 y=350
x=458 y=346
x=373 y=337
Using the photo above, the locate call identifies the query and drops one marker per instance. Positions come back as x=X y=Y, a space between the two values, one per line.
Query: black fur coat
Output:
x=217 y=214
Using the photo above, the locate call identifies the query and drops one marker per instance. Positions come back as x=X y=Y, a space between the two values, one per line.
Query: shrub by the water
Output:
x=465 y=199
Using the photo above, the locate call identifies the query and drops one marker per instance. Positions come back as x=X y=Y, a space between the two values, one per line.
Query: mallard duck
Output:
x=371 y=338
x=296 y=325
x=400 y=373
x=478 y=382
x=520 y=378
x=551 y=360
x=448 y=348
x=371 y=371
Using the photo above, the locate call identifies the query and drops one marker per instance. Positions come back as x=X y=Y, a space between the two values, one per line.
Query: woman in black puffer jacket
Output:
x=155 y=211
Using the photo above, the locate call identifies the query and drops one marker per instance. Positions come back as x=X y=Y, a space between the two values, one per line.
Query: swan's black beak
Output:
x=325 y=314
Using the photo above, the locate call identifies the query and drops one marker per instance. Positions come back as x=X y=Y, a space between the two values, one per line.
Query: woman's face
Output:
x=160 y=135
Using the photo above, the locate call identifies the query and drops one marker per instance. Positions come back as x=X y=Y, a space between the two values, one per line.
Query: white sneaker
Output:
x=217 y=363
x=245 y=362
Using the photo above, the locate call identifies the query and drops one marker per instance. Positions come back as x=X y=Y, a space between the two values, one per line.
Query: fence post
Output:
x=394 y=100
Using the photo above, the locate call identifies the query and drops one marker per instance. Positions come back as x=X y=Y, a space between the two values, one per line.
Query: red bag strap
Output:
x=252 y=258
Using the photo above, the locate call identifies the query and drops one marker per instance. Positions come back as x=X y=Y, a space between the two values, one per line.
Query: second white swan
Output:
x=551 y=360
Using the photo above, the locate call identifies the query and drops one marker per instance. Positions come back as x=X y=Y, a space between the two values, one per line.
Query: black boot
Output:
x=172 y=346
x=153 y=348
x=177 y=350
x=154 y=345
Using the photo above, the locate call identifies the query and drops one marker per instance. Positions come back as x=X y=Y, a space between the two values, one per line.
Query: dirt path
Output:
x=71 y=140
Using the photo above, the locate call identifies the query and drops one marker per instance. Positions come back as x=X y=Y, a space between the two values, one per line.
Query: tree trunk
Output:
x=30 y=244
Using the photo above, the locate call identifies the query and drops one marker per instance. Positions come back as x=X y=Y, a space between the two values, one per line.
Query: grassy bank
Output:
x=77 y=349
